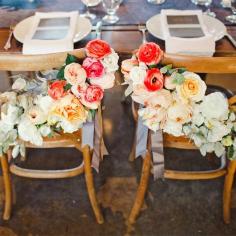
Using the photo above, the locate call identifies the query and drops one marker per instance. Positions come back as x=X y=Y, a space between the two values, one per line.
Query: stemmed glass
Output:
x=111 y=7
x=205 y=3
x=88 y=4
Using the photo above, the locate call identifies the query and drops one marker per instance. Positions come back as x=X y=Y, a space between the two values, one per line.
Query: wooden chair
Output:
x=214 y=65
x=18 y=62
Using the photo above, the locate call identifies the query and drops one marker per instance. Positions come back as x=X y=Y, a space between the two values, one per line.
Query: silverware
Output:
x=142 y=29
x=231 y=39
x=98 y=29
x=8 y=42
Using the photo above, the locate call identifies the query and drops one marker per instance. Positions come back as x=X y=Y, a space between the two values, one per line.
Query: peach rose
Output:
x=193 y=88
x=74 y=74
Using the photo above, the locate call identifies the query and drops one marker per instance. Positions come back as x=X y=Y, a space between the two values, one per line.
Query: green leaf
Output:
x=60 y=74
x=178 y=78
x=230 y=152
x=166 y=68
x=92 y=112
x=70 y=59
x=67 y=87
x=181 y=70
x=152 y=66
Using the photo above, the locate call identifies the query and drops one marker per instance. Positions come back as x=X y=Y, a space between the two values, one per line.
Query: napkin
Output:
x=51 y=32
x=186 y=35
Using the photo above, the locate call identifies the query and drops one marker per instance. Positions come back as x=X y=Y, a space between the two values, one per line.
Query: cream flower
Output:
x=137 y=75
x=44 y=102
x=19 y=84
x=214 y=106
x=193 y=88
x=161 y=98
x=197 y=118
x=10 y=113
x=106 y=81
x=110 y=62
x=128 y=64
x=29 y=133
x=168 y=83
x=173 y=128
x=179 y=113
x=75 y=74
x=141 y=94
x=9 y=97
x=36 y=115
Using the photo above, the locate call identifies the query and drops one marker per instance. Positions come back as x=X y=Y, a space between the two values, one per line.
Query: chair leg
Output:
x=90 y=185
x=7 y=188
x=142 y=188
x=229 y=179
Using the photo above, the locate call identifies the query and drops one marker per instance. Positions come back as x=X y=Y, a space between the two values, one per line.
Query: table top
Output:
x=123 y=36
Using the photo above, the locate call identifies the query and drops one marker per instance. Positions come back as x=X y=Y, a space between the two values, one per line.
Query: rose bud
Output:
x=93 y=68
x=149 y=53
x=98 y=49
x=154 y=80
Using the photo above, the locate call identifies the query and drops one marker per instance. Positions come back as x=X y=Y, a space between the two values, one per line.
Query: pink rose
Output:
x=56 y=89
x=154 y=80
x=93 y=68
x=105 y=82
x=149 y=53
x=92 y=96
x=98 y=48
x=75 y=74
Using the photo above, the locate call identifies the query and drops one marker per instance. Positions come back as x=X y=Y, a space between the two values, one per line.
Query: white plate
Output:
x=214 y=26
x=84 y=27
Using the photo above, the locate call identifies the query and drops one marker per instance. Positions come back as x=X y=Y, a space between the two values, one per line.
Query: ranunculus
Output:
x=74 y=74
x=110 y=62
x=137 y=75
x=215 y=106
x=169 y=83
x=105 y=82
x=154 y=80
x=179 y=113
x=19 y=84
x=98 y=49
x=193 y=88
x=149 y=53
x=93 y=67
x=36 y=115
x=56 y=89
x=92 y=96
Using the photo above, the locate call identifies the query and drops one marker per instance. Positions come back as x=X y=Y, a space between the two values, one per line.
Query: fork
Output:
x=142 y=29
x=8 y=42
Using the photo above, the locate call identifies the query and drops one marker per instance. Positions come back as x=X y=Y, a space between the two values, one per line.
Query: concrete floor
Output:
x=61 y=207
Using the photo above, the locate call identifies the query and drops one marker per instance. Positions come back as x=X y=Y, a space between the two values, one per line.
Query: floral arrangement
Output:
x=174 y=100
x=35 y=109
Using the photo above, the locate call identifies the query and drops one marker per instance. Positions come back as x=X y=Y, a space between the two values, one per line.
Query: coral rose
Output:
x=75 y=74
x=56 y=89
x=93 y=67
x=149 y=53
x=154 y=80
x=98 y=49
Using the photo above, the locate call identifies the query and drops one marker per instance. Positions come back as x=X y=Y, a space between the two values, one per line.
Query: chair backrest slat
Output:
x=19 y=62
x=214 y=65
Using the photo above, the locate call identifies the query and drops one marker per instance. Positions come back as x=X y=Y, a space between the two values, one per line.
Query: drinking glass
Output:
x=202 y=2
x=111 y=7
x=88 y=4
x=232 y=18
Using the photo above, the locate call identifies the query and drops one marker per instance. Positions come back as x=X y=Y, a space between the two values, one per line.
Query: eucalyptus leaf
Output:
x=178 y=78
x=166 y=68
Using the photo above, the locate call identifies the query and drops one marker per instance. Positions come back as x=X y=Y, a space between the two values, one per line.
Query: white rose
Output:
x=193 y=88
x=19 y=84
x=44 y=102
x=110 y=62
x=137 y=75
x=179 y=113
x=75 y=74
x=214 y=106
x=106 y=81
x=29 y=133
